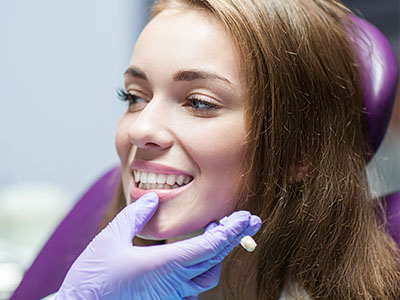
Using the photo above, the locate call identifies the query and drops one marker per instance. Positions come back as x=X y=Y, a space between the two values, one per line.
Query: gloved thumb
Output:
x=132 y=218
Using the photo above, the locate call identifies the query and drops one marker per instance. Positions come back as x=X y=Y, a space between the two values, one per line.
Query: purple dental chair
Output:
x=380 y=77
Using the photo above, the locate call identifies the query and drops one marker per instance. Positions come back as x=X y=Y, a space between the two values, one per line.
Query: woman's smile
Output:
x=166 y=181
x=146 y=181
x=183 y=133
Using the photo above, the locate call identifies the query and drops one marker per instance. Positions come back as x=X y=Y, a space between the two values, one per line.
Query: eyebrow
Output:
x=189 y=75
x=182 y=75
x=136 y=72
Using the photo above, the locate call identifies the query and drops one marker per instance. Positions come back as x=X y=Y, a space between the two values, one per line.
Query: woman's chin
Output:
x=156 y=232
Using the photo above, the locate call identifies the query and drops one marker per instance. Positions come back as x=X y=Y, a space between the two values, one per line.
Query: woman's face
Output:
x=183 y=134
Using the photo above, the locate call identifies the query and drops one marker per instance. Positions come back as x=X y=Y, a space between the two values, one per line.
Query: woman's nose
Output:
x=150 y=128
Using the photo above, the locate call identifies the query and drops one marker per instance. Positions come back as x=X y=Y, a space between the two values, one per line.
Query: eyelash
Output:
x=195 y=100
x=192 y=102
x=124 y=96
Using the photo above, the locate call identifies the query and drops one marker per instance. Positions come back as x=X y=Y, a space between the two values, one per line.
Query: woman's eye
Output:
x=130 y=98
x=200 y=105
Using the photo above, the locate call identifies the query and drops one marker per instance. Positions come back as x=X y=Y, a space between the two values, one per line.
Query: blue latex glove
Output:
x=112 y=268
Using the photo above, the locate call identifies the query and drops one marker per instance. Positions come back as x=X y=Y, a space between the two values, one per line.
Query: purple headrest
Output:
x=380 y=74
x=392 y=204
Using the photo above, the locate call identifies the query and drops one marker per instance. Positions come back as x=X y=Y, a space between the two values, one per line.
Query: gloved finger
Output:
x=132 y=218
x=254 y=225
x=207 y=280
x=253 y=228
x=213 y=241
x=206 y=245
x=211 y=226
x=194 y=297
x=199 y=268
x=235 y=223
x=234 y=228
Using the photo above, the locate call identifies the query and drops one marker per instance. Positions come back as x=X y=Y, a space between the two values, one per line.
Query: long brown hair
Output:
x=304 y=168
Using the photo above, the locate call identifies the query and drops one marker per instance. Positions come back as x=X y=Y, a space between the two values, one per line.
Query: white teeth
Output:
x=151 y=178
x=180 y=179
x=153 y=186
x=143 y=177
x=137 y=175
x=161 y=178
x=171 y=179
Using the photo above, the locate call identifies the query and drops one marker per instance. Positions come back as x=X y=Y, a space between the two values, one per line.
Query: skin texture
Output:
x=165 y=125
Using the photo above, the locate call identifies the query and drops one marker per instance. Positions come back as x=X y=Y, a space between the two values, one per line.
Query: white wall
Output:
x=60 y=64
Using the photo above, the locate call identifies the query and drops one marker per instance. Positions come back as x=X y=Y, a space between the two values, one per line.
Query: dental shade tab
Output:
x=248 y=243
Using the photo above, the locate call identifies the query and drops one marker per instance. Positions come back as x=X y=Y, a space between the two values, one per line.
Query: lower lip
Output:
x=163 y=195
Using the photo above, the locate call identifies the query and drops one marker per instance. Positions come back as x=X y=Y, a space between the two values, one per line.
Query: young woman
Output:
x=254 y=105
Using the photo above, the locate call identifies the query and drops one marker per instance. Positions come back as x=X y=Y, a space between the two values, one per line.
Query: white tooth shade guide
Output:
x=248 y=243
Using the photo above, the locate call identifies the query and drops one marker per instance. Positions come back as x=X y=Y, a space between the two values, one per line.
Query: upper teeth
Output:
x=149 y=177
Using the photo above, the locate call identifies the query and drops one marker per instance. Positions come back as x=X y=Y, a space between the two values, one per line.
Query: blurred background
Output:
x=384 y=169
x=60 y=65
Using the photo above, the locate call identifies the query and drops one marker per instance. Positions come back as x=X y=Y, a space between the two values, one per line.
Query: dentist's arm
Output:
x=112 y=268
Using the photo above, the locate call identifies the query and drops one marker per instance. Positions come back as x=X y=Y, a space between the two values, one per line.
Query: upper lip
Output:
x=156 y=168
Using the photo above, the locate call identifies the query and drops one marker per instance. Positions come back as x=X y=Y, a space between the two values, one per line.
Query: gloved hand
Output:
x=112 y=268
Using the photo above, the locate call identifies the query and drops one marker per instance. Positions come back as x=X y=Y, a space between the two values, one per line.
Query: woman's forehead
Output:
x=187 y=39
